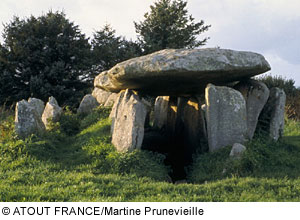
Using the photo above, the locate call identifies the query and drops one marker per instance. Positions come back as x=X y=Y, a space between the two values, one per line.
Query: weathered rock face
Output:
x=181 y=71
x=27 y=120
x=160 y=111
x=52 y=112
x=111 y=99
x=237 y=151
x=128 y=122
x=87 y=104
x=272 y=117
x=256 y=95
x=38 y=105
x=113 y=113
x=101 y=95
x=225 y=116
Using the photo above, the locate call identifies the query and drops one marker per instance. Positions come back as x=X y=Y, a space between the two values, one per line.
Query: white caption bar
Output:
x=148 y=210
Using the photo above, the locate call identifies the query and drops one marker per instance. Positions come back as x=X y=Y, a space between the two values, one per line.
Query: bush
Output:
x=41 y=57
x=288 y=85
x=69 y=123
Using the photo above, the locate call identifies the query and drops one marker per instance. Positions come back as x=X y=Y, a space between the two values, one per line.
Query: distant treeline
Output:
x=49 y=56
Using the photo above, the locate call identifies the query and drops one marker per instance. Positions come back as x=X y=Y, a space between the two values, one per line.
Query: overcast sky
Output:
x=269 y=27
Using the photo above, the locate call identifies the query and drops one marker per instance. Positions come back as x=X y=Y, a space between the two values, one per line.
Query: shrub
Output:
x=288 y=85
x=41 y=57
x=69 y=123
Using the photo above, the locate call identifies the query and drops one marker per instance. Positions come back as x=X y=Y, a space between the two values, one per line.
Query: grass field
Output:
x=76 y=162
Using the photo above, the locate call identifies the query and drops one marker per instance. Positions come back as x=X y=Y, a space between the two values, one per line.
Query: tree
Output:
x=42 y=57
x=169 y=26
x=109 y=49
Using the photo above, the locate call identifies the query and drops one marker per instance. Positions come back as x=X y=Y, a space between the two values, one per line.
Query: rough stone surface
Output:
x=38 y=105
x=87 y=104
x=129 y=119
x=27 y=120
x=160 y=111
x=111 y=99
x=101 y=95
x=113 y=113
x=225 y=116
x=52 y=112
x=182 y=71
x=272 y=116
x=256 y=95
x=237 y=150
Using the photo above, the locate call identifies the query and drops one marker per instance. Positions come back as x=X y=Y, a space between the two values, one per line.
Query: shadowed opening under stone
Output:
x=179 y=135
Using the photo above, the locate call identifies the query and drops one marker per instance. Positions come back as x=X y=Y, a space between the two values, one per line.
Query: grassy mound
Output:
x=75 y=161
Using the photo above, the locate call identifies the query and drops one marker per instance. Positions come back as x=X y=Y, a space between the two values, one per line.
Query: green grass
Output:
x=85 y=166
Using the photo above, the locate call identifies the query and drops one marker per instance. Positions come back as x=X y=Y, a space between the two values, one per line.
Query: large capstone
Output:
x=27 y=120
x=225 y=116
x=272 y=116
x=256 y=95
x=52 y=112
x=87 y=104
x=128 y=116
x=177 y=72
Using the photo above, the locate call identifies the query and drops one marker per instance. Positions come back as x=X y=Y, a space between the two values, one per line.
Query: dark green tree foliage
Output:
x=168 y=25
x=41 y=57
x=109 y=49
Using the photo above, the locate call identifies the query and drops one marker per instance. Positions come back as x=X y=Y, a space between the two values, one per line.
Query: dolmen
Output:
x=205 y=99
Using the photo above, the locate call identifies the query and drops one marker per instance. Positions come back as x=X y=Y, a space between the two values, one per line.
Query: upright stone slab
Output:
x=272 y=117
x=101 y=95
x=226 y=117
x=256 y=95
x=52 y=112
x=113 y=113
x=38 y=105
x=111 y=99
x=27 y=120
x=194 y=133
x=87 y=104
x=129 y=119
x=160 y=111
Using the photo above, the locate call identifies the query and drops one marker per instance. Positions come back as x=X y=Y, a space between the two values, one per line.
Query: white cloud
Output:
x=282 y=67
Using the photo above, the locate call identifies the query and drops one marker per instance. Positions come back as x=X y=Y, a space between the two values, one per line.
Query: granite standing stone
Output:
x=38 y=105
x=52 y=112
x=111 y=99
x=226 y=117
x=101 y=95
x=256 y=95
x=272 y=117
x=129 y=121
x=27 y=120
x=87 y=104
